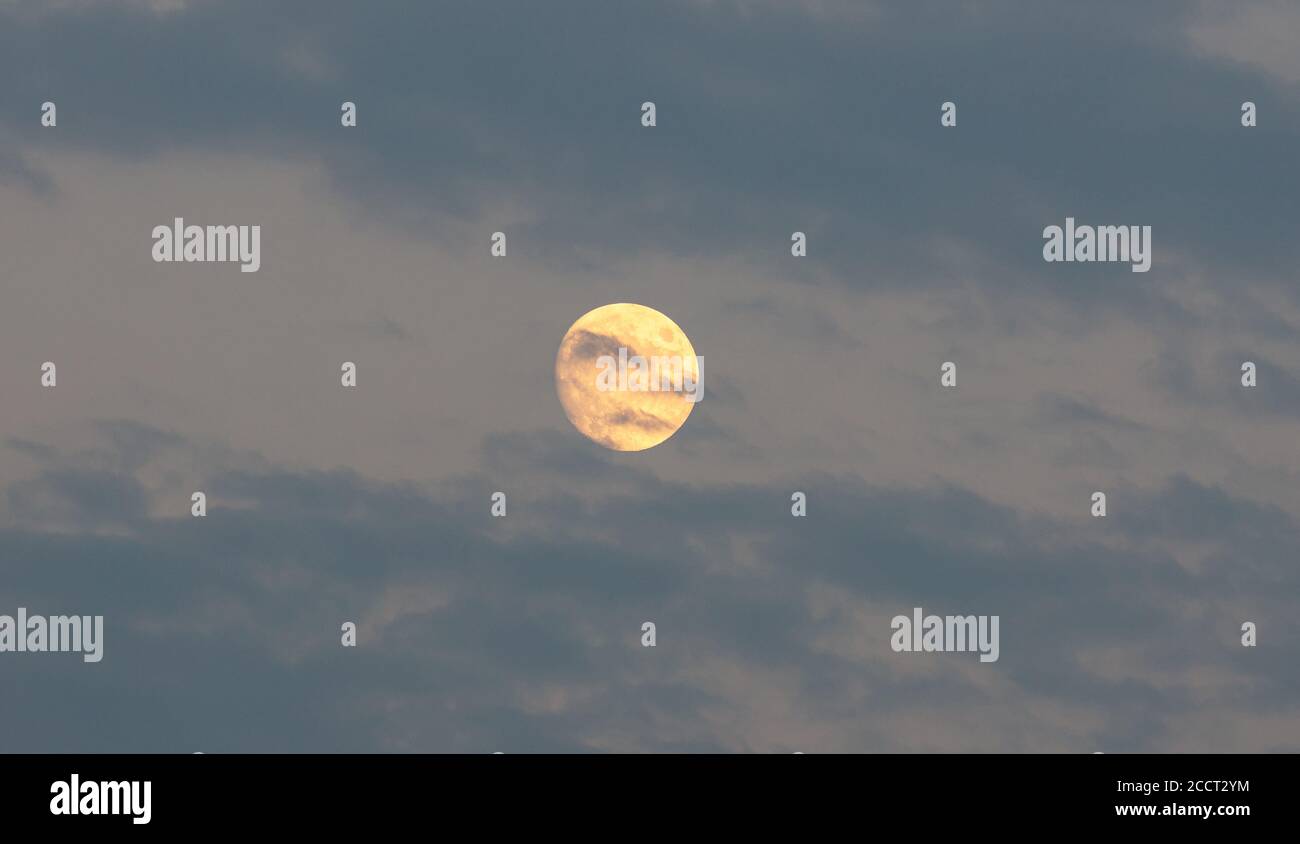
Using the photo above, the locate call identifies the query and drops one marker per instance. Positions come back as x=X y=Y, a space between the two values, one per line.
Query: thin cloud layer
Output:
x=475 y=638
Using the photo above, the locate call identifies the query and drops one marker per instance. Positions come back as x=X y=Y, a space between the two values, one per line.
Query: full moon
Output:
x=623 y=419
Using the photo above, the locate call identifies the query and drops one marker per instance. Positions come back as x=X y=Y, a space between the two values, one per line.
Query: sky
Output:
x=521 y=634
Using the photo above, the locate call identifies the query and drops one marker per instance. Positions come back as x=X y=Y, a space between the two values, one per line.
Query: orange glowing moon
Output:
x=607 y=401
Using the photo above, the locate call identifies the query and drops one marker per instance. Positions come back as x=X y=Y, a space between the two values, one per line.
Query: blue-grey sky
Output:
x=371 y=504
